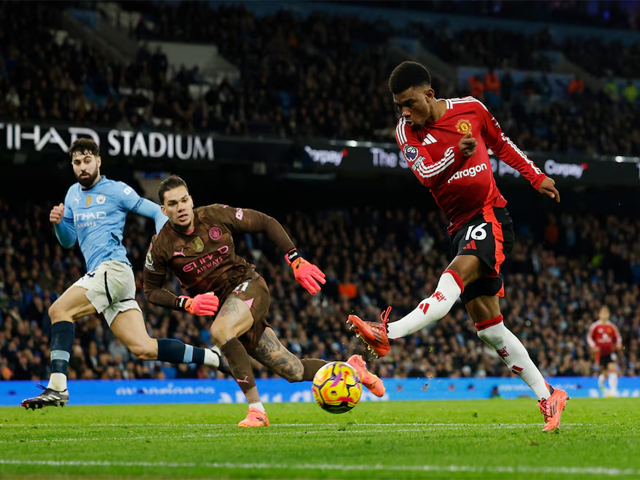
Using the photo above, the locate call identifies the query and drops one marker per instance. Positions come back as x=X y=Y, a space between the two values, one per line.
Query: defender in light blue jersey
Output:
x=95 y=217
x=94 y=214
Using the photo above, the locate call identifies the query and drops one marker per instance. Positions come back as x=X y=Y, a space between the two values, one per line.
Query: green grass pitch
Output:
x=487 y=439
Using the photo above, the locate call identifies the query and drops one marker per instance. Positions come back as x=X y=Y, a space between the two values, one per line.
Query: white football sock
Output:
x=210 y=358
x=430 y=309
x=259 y=406
x=601 y=379
x=58 y=381
x=613 y=383
x=513 y=354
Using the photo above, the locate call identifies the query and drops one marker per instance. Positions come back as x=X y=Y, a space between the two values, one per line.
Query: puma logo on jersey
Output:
x=429 y=139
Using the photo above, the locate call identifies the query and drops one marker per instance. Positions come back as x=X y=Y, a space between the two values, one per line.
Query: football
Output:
x=337 y=387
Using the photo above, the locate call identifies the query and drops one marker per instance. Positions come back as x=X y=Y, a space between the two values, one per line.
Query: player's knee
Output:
x=57 y=313
x=144 y=351
x=221 y=334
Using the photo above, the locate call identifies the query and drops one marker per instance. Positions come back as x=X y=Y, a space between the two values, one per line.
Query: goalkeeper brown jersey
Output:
x=204 y=260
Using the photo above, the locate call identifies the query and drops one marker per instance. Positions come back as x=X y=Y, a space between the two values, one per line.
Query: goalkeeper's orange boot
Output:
x=552 y=408
x=368 y=379
x=372 y=333
x=255 y=418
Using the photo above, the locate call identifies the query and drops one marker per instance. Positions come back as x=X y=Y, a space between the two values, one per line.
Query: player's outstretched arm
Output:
x=130 y=201
x=148 y=209
x=509 y=153
x=63 y=225
x=252 y=221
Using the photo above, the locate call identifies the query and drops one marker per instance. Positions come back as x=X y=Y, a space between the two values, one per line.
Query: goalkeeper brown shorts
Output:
x=254 y=292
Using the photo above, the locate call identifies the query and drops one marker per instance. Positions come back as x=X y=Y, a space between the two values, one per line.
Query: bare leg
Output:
x=271 y=353
x=129 y=327
x=73 y=304
x=233 y=320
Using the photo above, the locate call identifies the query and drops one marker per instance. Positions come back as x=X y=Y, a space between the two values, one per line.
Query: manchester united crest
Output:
x=463 y=126
x=197 y=244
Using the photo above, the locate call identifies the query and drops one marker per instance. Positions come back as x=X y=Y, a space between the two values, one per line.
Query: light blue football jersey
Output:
x=96 y=218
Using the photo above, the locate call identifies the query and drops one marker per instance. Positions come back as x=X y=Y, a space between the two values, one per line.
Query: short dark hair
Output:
x=408 y=75
x=169 y=183
x=82 y=145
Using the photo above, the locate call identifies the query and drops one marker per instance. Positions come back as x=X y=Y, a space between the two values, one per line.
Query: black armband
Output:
x=181 y=303
x=292 y=255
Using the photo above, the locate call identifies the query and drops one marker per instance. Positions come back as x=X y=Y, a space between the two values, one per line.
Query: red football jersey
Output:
x=462 y=187
x=604 y=336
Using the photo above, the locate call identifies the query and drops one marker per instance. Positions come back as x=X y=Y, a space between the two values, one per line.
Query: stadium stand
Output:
x=556 y=279
x=311 y=78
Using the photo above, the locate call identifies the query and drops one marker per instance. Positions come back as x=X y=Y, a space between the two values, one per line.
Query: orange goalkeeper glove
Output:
x=307 y=274
x=204 y=304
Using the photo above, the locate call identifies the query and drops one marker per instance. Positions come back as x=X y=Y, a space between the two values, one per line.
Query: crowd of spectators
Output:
x=322 y=76
x=600 y=13
x=587 y=122
x=325 y=85
x=48 y=77
x=559 y=274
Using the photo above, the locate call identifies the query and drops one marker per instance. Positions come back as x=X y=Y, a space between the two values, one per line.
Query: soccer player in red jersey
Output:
x=604 y=339
x=481 y=230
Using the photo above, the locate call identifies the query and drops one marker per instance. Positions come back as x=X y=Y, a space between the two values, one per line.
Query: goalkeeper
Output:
x=196 y=245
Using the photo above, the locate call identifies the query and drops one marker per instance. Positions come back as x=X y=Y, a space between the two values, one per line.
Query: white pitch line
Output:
x=263 y=433
x=228 y=425
x=613 y=472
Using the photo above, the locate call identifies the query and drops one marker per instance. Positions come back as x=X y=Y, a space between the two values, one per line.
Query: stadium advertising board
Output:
x=46 y=142
x=139 y=392
x=113 y=142
x=386 y=158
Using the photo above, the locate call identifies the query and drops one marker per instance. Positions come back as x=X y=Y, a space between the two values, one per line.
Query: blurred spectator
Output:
x=544 y=87
x=630 y=92
x=507 y=86
x=611 y=90
x=347 y=289
x=477 y=87
x=492 y=89
x=575 y=87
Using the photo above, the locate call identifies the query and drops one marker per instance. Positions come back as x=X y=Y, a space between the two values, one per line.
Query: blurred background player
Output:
x=94 y=214
x=604 y=340
x=461 y=180
x=197 y=247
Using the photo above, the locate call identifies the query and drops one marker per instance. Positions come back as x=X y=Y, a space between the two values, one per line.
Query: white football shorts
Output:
x=111 y=289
